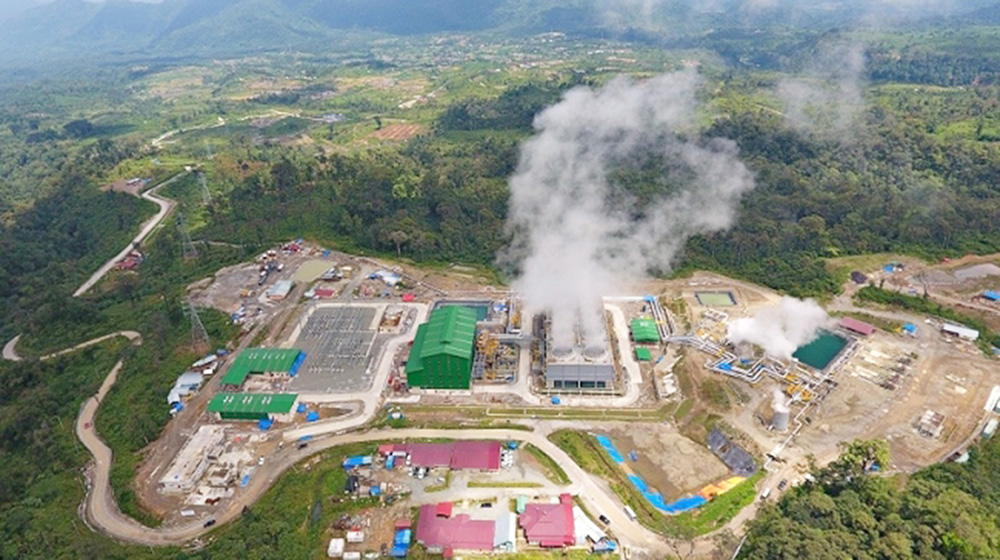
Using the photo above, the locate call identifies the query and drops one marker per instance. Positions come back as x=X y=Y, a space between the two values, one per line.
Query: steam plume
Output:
x=828 y=96
x=782 y=329
x=576 y=234
x=780 y=402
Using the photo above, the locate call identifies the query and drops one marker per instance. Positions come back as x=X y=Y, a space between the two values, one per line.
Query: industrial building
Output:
x=193 y=459
x=549 y=525
x=263 y=361
x=579 y=368
x=442 y=353
x=253 y=406
x=644 y=330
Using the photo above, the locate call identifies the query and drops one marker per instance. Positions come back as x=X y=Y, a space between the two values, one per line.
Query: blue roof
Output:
x=910 y=327
x=403 y=537
x=991 y=295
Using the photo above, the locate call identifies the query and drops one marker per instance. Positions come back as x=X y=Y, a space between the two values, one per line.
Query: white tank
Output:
x=779 y=422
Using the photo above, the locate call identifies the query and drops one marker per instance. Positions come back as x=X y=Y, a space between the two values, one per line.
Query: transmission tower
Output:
x=189 y=251
x=198 y=332
x=205 y=195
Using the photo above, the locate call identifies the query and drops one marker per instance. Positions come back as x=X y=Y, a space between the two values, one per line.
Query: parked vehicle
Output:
x=209 y=523
x=604 y=519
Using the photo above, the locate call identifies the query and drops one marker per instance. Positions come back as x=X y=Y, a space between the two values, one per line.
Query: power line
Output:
x=189 y=250
x=198 y=332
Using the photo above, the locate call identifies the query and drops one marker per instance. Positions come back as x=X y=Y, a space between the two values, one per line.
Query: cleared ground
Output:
x=397 y=131
x=668 y=461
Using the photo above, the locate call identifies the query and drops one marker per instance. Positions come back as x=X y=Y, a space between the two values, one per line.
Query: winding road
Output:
x=166 y=206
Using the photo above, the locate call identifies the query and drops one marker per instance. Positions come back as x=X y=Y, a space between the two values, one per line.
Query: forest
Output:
x=946 y=511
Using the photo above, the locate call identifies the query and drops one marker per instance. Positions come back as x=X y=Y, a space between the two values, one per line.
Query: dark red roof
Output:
x=324 y=292
x=458 y=532
x=860 y=327
x=549 y=525
x=476 y=455
x=429 y=454
x=402 y=523
x=409 y=297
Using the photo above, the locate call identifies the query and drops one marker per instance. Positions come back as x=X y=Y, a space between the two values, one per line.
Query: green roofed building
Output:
x=441 y=357
x=263 y=360
x=643 y=354
x=253 y=406
x=644 y=330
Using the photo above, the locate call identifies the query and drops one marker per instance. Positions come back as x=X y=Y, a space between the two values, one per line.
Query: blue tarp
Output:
x=991 y=295
x=555 y=400
x=301 y=408
x=605 y=442
x=889 y=268
x=264 y=425
x=633 y=456
x=403 y=537
x=245 y=480
x=375 y=491
x=177 y=406
x=726 y=366
x=390 y=462
x=326 y=254
x=910 y=328
x=653 y=497
x=400 y=551
x=305 y=438
x=294 y=370
x=312 y=416
x=357 y=461
x=649 y=299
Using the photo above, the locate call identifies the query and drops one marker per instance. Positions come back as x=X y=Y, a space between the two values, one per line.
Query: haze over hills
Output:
x=37 y=29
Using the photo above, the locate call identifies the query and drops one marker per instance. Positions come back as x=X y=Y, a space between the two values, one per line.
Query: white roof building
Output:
x=335 y=549
x=193 y=459
x=961 y=332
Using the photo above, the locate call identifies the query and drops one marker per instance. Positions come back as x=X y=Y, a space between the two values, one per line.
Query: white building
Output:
x=336 y=548
x=964 y=333
x=193 y=460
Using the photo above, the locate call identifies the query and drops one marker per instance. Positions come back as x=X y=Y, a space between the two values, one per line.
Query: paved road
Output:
x=166 y=206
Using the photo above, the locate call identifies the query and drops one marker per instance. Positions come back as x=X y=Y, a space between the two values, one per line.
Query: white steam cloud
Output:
x=576 y=234
x=780 y=330
x=780 y=401
x=828 y=97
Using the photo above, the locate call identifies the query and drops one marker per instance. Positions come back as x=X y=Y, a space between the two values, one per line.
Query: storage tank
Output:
x=781 y=416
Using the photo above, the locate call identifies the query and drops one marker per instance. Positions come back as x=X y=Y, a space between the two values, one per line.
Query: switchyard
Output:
x=338 y=342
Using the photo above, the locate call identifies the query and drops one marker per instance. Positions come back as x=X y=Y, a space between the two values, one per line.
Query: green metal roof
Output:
x=450 y=330
x=643 y=354
x=644 y=330
x=243 y=403
x=260 y=360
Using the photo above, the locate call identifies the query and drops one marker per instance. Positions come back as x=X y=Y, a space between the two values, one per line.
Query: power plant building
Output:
x=441 y=357
x=582 y=367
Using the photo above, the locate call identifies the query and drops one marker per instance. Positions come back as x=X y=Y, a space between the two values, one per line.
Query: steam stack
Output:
x=779 y=421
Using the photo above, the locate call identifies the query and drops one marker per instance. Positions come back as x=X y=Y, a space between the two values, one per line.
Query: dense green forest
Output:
x=945 y=511
x=893 y=183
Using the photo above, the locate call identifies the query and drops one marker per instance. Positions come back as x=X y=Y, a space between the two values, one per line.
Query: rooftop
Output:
x=262 y=360
x=549 y=525
x=460 y=532
x=252 y=402
x=644 y=330
x=860 y=327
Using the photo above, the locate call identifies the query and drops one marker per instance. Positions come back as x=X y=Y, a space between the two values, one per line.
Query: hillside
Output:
x=184 y=28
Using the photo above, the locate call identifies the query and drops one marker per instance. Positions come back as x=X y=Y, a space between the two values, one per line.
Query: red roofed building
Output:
x=461 y=455
x=443 y=509
x=461 y=532
x=549 y=525
x=859 y=327
x=476 y=455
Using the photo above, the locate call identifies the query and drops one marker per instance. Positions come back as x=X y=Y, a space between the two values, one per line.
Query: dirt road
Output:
x=166 y=206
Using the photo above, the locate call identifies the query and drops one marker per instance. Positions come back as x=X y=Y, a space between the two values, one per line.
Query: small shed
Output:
x=335 y=549
x=964 y=333
x=643 y=354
